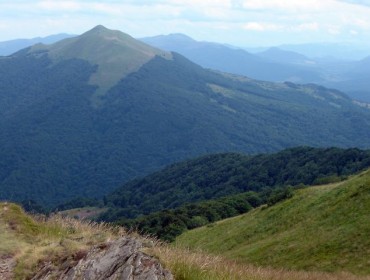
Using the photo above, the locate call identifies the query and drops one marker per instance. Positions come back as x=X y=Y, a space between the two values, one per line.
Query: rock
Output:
x=7 y=264
x=120 y=259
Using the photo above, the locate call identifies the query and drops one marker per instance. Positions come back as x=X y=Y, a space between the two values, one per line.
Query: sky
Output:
x=244 y=23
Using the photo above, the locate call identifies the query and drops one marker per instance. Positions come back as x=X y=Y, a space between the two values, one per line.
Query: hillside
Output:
x=59 y=248
x=322 y=228
x=84 y=115
x=214 y=176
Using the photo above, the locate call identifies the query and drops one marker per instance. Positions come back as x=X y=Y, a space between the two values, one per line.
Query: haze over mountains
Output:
x=83 y=115
x=340 y=66
x=340 y=70
x=12 y=46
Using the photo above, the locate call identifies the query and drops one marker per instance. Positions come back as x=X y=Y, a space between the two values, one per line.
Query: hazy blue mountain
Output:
x=334 y=50
x=325 y=64
x=12 y=46
x=350 y=77
x=233 y=60
x=83 y=115
x=282 y=56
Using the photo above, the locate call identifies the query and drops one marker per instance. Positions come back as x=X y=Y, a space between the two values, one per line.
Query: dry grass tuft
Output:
x=33 y=240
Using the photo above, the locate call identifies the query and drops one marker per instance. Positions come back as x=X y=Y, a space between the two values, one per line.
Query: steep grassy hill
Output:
x=115 y=54
x=84 y=115
x=324 y=228
x=214 y=176
x=40 y=248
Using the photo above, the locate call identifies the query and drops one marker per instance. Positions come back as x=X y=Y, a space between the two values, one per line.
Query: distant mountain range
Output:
x=342 y=51
x=339 y=66
x=271 y=65
x=12 y=46
x=278 y=64
x=81 y=116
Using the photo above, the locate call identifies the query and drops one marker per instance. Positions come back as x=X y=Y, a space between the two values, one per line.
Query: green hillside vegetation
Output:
x=168 y=224
x=84 y=115
x=215 y=176
x=324 y=228
x=116 y=54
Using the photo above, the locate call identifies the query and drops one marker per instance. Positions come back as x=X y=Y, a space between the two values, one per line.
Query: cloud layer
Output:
x=239 y=22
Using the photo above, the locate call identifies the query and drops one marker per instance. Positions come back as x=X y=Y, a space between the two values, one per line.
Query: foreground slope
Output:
x=84 y=115
x=59 y=248
x=323 y=228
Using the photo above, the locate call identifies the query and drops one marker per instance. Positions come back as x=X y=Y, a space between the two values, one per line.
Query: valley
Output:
x=68 y=126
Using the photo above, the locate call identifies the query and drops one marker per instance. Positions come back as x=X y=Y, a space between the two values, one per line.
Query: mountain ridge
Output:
x=12 y=46
x=115 y=53
x=277 y=64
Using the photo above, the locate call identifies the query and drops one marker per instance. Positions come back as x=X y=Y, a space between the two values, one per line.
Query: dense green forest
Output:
x=168 y=224
x=219 y=175
x=62 y=136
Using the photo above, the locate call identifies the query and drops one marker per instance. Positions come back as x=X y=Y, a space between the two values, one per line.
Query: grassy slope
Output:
x=116 y=54
x=323 y=228
x=31 y=241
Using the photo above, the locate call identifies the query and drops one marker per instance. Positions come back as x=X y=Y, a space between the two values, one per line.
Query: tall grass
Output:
x=189 y=265
x=323 y=228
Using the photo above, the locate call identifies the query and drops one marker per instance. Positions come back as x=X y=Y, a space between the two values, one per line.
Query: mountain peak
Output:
x=180 y=36
x=99 y=28
x=116 y=54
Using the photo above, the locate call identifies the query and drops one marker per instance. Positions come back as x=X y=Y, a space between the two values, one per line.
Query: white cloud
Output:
x=362 y=23
x=205 y=19
x=285 y=5
x=59 y=5
x=333 y=29
x=262 y=26
x=357 y=2
x=307 y=26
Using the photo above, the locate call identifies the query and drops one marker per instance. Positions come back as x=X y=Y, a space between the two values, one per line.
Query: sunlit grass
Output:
x=32 y=240
x=189 y=265
x=323 y=228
